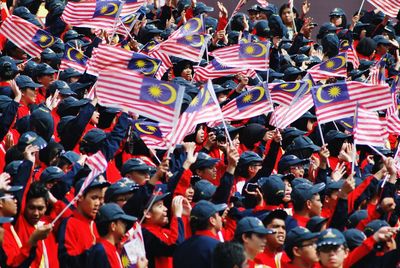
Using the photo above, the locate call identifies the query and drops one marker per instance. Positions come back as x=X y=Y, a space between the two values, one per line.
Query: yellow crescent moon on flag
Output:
x=198 y=44
x=131 y=19
x=69 y=53
x=343 y=61
x=173 y=94
x=138 y=127
x=294 y=89
x=113 y=11
x=198 y=20
x=263 y=50
x=309 y=86
x=262 y=92
x=46 y=40
x=206 y=98
x=319 y=97
x=155 y=65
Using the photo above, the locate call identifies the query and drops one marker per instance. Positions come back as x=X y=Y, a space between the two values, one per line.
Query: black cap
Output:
x=302 y=142
x=31 y=137
x=70 y=106
x=337 y=12
x=203 y=190
x=134 y=164
x=203 y=210
x=331 y=237
x=71 y=35
x=251 y=225
x=335 y=134
x=111 y=212
x=24 y=81
x=51 y=173
x=290 y=160
x=304 y=191
x=204 y=160
x=268 y=217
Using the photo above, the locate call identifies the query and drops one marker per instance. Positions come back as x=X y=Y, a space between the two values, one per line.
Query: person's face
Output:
x=308 y=252
x=222 y=97
x=29 y=95
x=332 y=256
x=297 y=171
x=216 y=222
x=189 y=193
x=187 y=73
x=9 y=205
x=46 y=80
x=288 y=191
x=310 y=124
x=253 y=15
x=120 y=229
x=139 y=176
x=277 y=239
x=89 y=203
x=336 y=20
x=200 y=135
x=208 y=173
x=121 y=199
x=236 y=141
x=254 y=244
x=74 y=79
x=158 y=214
x=254 y=168
x=95 y=118
x=35 y=209
x=287 y=17
x=315 y=205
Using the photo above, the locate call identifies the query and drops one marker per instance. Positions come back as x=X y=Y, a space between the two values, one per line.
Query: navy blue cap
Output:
x=268 y=217
x=335 y=134
x=62 y=87
x=134 y=164
x=152 y=29
x=290 y=160
x=315 y=223
x=380 y=39
x=331 y=237
x=326 y=28
x=12 y=167
x=291 y=71
x=43 y=69
x=4 y=102
x=203 y=210
x=118 y=188
x=292 y=132
x=249 y=157
x=65 y=106
x=308 y=115
x=253 y=8
x=71 y=35
x=219 y=89
x=11 y=189
x=48 y=54
x=29 y=69
x=203 y=190
x=111 y=212
x=68 y=73
x=31 y=137
x=94 y=136
x=272 y=187
x=297 y=181
x=302 y=142
x=356 y=218
x=78 y=86
x=251 y=225
x=334 y=185
x=51 y=173
x=304 y=191
x=296 y=236
x=354 y=238
x=337 y=12
x=262 y=28
x=204 y=160
x=202 y=8
x=63 y=122
x=374 y=226
x=96 y=183
x=24 y=81
x=229 y=84
x=71 y=156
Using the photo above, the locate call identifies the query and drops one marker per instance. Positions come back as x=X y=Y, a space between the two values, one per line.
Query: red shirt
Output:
x=113 y=257
x=301 y=220
x=274 y=260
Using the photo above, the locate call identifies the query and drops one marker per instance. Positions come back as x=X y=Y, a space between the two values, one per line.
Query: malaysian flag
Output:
x=73 y=58
x=190 y=47
x=239 y=5
x=26 y=35
x=124 y=24
x=115 y=58
x=347 y=123
x=392 y=113
x=166 y=63
x=368 y=129
x=152 y=98
x=201 y=109
x=215 y=70
x=336 y=101
x=194 y=26
x=152 y=133
x=251 y=103
x=131 y=6
x=263 y=3
x=284 y=93
x=97 y=14
x=352 y=57
x=254 y=55
x=377 y=72
x=334 y=67
x=389 y=7
x=98 y=164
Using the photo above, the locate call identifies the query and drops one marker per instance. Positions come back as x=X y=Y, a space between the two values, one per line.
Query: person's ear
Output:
x=308 y=204
x=296 y=251
x=113 y=226
x=346 y=252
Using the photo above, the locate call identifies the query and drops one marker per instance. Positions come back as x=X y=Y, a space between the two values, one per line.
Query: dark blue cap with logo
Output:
x=112 y=212
x=273 y=188
x=68 y=73
x=290 y=160
x=203 y=190
x=302 y=142
x=118 y=188
x=304 y=191
x=134 y=164
x=203 y=161
x=249 y=157
x=203 y=210
x=331 y=237
x=354 y=238
x=251 y=225
x=24 y=81
x=374 y=226
x=43 y=69
x=296 y=236
x=31 y=137
x=51 y=173
x=356 y=218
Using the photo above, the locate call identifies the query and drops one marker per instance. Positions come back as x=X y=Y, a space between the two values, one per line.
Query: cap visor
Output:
x=220 y=207
x=14 y=189
x=40 y=142
x=317 y=188
x=6 y=219
x=126 y=217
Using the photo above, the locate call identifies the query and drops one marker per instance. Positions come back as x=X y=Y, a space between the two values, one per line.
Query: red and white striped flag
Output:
x=97 y=14
x=152 y=98
x=352 y=57
x=73 y=58
x=389 y=7
x=98 y=164
x=26 y=35
x=368 y=129
x=152 y=134
x=377 y=72
x=337 y=101
x=215 y=70
x=334 y=67
x=263 y=3
x=239 y=5
x=284 y=93
x=131 y=6
x=393 y=123
x=166 y=62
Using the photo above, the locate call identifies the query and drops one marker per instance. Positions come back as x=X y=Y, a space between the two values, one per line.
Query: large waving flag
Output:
x=92 y=14
x=73 y=58
x=166 y=62
x=253 y=55
x=334 y=67
x=389 y=7
x=336 y=101
x=152 y=133
x=115 y=58
x=377 y=72
x=284 y=93
x=26 y=35
x=131 y=6
x=152 y=98
x=215 y=70
x=249 y=104
x=346 y=47
x=194 y=26
x=368 y=129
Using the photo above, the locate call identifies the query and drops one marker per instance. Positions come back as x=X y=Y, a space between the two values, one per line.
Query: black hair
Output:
x=228 y=255
x=199 y=225
x=102 y=228
x=239 y=237
x=285 y=6
x=37 y=190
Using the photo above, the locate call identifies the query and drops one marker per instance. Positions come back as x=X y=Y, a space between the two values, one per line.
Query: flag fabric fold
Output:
x=73 y=58
x=389 y=7
x=215 y=70
x=152 y=133
x=334 y=67
x=368 y=129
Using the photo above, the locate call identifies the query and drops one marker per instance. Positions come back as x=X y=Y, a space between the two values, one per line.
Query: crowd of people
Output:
x=250 y=196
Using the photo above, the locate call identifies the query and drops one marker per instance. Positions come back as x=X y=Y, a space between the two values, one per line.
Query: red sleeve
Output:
x=359 y=252
x=373 y=214
x=354 y=195
x=222 y=22
x=229 y=230
x=183 y=183
x=15 y=255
